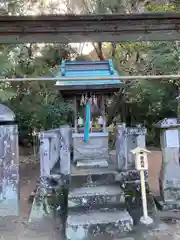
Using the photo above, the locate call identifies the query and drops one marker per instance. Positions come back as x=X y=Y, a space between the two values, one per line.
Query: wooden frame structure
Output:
x=86 y=93
x=92 y=28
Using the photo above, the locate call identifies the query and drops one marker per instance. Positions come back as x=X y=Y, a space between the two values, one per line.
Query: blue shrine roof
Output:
x=75 y=69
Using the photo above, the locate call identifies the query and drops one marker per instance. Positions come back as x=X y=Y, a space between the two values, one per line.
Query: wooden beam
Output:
x=92 y=28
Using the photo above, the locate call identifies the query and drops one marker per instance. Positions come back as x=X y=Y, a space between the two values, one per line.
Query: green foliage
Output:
x=147 y=101
x=151 y=7
x=37 y=104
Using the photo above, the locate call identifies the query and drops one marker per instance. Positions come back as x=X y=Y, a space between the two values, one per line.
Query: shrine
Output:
x=79 y=157
x=90 y=133
x=94 y=201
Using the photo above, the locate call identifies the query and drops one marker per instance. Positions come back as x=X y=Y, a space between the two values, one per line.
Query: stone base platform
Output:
x=97 y=223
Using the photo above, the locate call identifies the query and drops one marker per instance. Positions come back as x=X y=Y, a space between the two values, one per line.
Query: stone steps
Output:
x=73 y=207
x=95 y=190
x=96 y=204
x=96 y=177
x=96 y=222
x=96 y=195
x=94 y=163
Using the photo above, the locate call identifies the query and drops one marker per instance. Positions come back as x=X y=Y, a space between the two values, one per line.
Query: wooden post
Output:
x=103 y=113
x=75 y=114
x=143 y=194
x=141 y=164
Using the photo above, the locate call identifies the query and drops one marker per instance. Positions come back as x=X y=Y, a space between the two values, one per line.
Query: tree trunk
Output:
x=117 y=103
x=99 y=50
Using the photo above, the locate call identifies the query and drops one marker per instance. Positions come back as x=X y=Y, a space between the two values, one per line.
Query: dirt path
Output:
x=154 y=162
x=28 y=176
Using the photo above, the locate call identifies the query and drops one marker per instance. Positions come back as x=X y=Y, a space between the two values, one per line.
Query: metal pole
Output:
x=60 y=80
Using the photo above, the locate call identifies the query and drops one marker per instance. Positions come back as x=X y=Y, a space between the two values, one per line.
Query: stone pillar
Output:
x=169 y=179
x=136 y=137
x=54 y=145
x=141 y=140
x=121 y=147
x=44 y=156
x=9 y=171
x=65 y=146
x=126 y=140
x=66 y=133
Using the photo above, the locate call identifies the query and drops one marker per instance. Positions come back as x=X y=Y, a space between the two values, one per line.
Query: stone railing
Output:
x=49 y=151
x=53 y=148
x=65 y=150
x=126 y=140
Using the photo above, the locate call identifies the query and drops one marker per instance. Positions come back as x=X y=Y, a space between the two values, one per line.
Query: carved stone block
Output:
x=96 y=148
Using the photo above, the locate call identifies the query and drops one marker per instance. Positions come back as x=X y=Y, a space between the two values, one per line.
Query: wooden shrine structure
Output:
x=90 y=137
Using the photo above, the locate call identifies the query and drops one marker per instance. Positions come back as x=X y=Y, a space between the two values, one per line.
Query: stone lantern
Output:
x=169 y=178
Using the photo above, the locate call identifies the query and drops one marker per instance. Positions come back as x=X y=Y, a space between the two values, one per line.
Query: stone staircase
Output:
x=96 y=206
